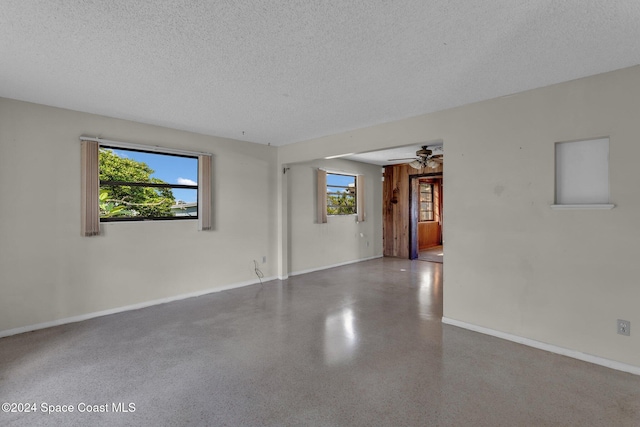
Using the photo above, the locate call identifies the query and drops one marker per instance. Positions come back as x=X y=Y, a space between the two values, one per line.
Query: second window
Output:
x=341 y=194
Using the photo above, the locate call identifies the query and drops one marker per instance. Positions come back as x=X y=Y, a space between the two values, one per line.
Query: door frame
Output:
x=414 y=210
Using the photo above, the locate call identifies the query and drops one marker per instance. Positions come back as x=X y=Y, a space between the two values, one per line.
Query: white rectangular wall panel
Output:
x=582 y=172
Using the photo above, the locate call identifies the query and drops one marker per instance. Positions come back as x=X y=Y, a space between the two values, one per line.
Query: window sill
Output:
x=148 y=220
x=599 y=206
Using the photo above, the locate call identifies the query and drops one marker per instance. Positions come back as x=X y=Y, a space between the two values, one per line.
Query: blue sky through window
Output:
x=170 y=169
x=334 y=179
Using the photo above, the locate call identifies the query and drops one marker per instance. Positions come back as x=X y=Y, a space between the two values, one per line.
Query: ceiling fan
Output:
x=424 y=158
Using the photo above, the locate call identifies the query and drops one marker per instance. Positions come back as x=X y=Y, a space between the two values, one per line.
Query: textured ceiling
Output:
x=278 y=72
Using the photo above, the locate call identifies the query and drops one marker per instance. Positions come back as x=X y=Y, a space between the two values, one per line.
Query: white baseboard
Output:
x=325 y=267
x=619 y=366
x=144 y=304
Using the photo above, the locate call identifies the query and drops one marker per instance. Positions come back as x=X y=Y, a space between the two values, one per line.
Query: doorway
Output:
x=426 y=217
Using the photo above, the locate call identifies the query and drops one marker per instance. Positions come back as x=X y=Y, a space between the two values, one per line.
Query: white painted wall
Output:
x=49 y=272
x=511 y=263
x=342 y=239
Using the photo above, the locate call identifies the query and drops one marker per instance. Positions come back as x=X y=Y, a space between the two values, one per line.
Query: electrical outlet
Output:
x=264 y=259
x=624 y=327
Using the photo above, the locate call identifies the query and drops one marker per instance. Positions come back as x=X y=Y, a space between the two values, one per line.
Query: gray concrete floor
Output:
x=432 y=254
x=359 y=345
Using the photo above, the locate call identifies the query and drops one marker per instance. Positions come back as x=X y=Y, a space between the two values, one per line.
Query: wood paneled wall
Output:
x=428 y=234
x=396 y=215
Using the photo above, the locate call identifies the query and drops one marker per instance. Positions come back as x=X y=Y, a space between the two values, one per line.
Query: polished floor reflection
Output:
x=432 y=254
x=359 y=345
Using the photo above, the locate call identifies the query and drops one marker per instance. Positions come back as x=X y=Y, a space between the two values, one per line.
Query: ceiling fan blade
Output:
x=406 y=158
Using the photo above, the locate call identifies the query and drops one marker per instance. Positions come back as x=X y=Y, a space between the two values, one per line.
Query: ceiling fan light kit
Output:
x=419 y=164
x=425 y=159
x=416 y=164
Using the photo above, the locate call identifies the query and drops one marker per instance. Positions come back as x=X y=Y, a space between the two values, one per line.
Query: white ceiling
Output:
x=276 y=71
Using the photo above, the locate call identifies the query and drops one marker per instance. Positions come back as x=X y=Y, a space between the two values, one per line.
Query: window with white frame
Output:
x=341 y=194
x=142 y=185
x=130 y=182
x=426 y=202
